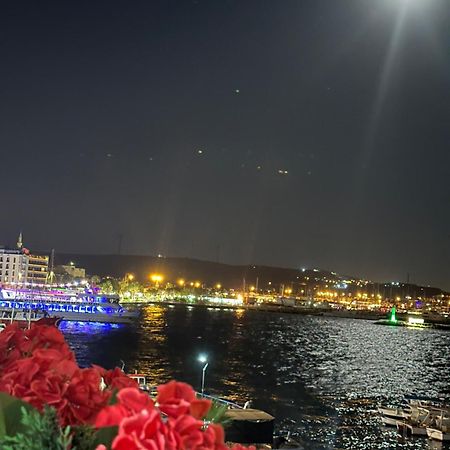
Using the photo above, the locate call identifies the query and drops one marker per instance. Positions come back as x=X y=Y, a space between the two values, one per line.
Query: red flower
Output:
x=130 y=401
x=38 y=366
x=115 y=378
x=141 y=426
x=143 y=431
x=175 y=399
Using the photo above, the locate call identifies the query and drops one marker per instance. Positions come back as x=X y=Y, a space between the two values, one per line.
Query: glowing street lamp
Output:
x=204 y=360
x=181 y=282
x=156 y=278
x=130 y=277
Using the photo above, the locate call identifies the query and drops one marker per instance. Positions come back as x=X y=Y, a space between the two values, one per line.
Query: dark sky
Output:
x=169 y=121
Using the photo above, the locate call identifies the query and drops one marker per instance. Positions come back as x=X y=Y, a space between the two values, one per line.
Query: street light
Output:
x=204 y=360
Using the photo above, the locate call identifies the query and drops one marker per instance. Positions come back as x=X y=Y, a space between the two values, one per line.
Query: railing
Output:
x=221 y=401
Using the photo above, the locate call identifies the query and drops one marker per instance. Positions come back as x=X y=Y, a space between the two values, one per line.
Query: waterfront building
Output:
x=37 y=269
x=13 y=266
x=20 y=266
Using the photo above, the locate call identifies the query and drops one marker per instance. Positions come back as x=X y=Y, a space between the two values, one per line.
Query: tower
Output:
x=20 y=242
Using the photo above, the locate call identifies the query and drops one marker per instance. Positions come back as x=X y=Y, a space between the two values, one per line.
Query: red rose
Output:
x=141 y=432
x=175 y=399
x=115 y=378
x=130 y=401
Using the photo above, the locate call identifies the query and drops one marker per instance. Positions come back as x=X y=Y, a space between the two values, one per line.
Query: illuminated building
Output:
x=20 y=266
x=37 y=269
x=13 y=266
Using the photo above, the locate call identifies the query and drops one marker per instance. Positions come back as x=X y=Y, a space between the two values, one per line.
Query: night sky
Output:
x=307 y=133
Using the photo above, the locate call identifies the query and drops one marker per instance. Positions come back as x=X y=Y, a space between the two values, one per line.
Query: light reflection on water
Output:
x=321 y=377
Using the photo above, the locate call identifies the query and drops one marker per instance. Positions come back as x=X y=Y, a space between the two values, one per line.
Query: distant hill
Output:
x=230 y=276
x=173 y=268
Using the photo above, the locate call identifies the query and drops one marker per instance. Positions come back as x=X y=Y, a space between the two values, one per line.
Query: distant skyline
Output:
x=302 y=133
x=407 y=279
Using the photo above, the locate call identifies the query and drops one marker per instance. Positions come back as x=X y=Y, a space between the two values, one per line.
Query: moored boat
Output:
x=396 y=413
x=26 y=319
x=84 y=305
x=438 y=434
x=391 y=421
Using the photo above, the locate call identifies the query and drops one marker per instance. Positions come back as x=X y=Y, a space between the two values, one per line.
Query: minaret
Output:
x=20 y=242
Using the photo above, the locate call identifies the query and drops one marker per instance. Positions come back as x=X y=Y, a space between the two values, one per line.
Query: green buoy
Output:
x=392 y=317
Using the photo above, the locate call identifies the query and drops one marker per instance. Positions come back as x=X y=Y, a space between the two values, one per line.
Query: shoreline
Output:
x=367 y=315
x=281 y=309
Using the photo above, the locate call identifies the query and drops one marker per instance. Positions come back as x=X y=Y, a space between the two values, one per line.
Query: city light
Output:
x=156 y=278
x=181 y=282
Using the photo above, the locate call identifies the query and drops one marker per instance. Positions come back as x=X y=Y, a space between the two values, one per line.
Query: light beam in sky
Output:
x=383 y=85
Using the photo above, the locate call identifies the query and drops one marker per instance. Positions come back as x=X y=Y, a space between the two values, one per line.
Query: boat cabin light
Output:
x=415 y=321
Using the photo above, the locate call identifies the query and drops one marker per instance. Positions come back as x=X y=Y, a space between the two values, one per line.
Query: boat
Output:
x=440 y=431
x=438 y=434
x=27 y=319
x=397 y=413
x=141 y=380
x=81 y=305
x=390 y=421
x=391 y=417
x=416 y=423
x=246 y=425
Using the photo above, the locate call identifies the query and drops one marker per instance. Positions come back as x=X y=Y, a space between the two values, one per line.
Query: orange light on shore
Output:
x=156 y=277
x=130 y=277
x=181 y=282
x=197 y=284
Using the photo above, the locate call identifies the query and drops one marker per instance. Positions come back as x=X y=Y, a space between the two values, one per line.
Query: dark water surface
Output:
x=322 y=378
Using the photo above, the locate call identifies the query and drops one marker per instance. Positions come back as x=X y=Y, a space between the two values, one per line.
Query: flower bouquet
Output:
x=48 y=402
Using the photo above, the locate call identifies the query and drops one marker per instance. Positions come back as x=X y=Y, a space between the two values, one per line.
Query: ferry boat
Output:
x=81 y=305
x=26 y=319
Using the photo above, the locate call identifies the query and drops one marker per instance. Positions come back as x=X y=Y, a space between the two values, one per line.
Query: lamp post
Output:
x=203 y=360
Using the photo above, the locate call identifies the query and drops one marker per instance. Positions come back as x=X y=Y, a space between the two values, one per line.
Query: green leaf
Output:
x=11 y=414
x=41 y=431
x=113 y=399
x=217 y=414
x=105 y=436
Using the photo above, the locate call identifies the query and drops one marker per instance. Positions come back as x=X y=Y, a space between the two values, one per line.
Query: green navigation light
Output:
x=392 y=317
